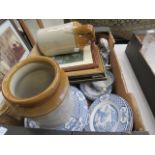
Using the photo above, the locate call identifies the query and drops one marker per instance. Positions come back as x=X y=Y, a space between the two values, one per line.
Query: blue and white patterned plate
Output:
x=110 y=113
x=78 y=118
x=93 y=90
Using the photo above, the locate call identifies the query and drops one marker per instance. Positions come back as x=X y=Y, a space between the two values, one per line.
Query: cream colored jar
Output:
x=38 y=89
x=64 y=38
x=58 y=116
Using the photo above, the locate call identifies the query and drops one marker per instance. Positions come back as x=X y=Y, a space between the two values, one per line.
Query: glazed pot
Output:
x=64 y=38
x=7 y=117
x=37 y=88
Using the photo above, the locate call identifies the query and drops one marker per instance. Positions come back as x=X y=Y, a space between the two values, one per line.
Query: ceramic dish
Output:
x=110 y=113
x=92 y=90
x=105 y=57
x=78 y=119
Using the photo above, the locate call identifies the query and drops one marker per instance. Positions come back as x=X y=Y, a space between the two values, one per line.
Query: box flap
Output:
x=120 y=88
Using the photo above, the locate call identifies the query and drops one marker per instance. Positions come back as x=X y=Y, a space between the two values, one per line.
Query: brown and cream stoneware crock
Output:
x=37 y=88
x=62 y=39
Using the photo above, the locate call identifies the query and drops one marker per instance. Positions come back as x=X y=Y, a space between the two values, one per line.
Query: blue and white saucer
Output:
x=110 y=113
x=93 y=90
x=78 y=119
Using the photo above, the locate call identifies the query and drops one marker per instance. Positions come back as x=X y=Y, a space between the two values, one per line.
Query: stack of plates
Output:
x=93 y=90
x=78 y=118
x=104 y=50
x=105 y=57
x=104 y=44
x=110 y=113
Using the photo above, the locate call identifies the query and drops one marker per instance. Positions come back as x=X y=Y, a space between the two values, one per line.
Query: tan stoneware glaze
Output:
x=7 y=117
x=83 y=34
x=64 y=38
x=35 y=87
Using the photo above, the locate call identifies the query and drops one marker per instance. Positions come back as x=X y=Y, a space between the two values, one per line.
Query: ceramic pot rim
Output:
x=47 y=106
x=37 y=98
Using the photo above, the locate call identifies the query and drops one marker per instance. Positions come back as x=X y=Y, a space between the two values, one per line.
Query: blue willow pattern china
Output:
x=110 y=113
x=93 y=90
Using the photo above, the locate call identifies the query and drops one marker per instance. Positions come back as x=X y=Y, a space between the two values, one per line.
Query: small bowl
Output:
x=93 y=90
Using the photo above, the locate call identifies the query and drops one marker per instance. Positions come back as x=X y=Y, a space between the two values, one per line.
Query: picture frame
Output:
x=84 y=59
x=38 y=23
x=13 y=48
x=96 y=73
x=100 y=70
x=81 y=57
x=147 y=50
x=81 y=65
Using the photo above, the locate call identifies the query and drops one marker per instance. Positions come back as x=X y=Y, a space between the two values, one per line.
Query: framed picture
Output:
x=88 y=72
x=12 y=48
x=75 y=58
x=95 y=73
x=85 y=59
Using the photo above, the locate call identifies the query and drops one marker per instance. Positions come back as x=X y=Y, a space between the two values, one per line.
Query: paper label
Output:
x=3 y=130
x=1 y=97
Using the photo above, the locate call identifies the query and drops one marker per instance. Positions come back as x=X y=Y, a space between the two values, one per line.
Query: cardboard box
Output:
x=14 y=130
x=133 y=86
x=120 y=89
x=120 y=85
x=142 y=70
